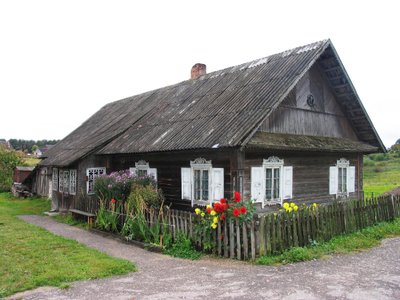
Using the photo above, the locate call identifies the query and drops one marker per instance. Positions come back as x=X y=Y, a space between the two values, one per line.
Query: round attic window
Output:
x=310 y=100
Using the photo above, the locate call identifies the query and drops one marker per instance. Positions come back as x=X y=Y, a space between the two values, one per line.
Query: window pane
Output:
x=276 y=183
x=197 y=184
x=142 y=173
x=268 y=184
x=205 y=185
x=344 y=183
x=340 y=180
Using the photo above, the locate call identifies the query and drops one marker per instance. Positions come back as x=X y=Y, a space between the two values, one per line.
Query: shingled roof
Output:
x=219 y=109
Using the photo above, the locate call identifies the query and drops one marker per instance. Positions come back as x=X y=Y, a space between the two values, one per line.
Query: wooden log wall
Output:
x=310 y=173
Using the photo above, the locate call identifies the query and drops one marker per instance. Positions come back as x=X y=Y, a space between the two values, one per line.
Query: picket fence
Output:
x=274 y=233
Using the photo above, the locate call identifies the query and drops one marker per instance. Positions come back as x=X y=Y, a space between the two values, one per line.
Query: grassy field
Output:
x=30 y=161
x=33 y=257
x=381 y=173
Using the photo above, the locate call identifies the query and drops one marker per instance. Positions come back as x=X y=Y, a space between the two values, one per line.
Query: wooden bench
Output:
x=90 y=217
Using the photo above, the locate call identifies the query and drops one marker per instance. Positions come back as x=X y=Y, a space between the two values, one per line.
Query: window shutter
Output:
x=333 y=180
x=186 y=183
x=287 y=183
x=351 y=179
x=132 y=171
x=217 y=184
x=257 y=187
x=153 y=172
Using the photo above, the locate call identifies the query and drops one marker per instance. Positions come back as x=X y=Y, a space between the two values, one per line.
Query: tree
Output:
x=34 y=148
x=9 y=159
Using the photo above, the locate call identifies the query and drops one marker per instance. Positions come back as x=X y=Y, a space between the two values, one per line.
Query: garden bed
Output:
x=147 y=246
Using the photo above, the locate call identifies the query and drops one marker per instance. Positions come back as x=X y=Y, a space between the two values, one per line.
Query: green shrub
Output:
x=183 y=248
x=117 y=185
x=9 y=159
x=106 y=220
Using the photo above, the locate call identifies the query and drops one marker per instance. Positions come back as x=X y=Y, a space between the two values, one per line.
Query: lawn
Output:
x=381 y=173
x=31 y=257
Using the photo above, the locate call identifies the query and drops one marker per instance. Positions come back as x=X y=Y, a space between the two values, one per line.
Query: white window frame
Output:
x=258 y=181
x=215 y=181
x=143 y=165
x=55 y=179
x=61 y=181
x=335 y=181
x=92 y=174
x=72 y=181
x=200 y=164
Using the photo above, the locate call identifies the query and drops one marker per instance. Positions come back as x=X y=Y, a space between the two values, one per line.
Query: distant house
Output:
x=40 y=151
x=289 y=126
x=6 y=144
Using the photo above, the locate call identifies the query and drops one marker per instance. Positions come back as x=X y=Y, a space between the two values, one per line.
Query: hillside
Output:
x=381 y=173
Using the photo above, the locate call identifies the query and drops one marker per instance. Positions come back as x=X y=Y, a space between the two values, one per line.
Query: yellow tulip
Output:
x=197 y=211
x=295 y=208
x=292 y=205
x=290 y=209
x=208 y=206
x=213 y=213
x=215 y=220
x=203 y=214
x=285 y=205
x=214 y=225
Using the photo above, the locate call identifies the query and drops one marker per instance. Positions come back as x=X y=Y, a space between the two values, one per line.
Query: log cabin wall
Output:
x=169 y=166
x=315 y=115
x=310 y=173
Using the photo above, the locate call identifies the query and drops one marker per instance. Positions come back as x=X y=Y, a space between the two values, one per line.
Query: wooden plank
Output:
x=226 y=242
x=238 y=244
x=279 y=233
x=245 y=242
x=219 y=238
x=267 y=230
x=294 y=230
x=231 y=239
x=273 y=234
x=253 y=240
x=262 y=235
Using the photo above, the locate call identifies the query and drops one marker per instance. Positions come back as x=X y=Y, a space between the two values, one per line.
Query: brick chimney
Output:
x=198 y=70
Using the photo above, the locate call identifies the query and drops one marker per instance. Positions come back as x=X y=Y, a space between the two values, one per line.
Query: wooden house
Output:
x=289 y=126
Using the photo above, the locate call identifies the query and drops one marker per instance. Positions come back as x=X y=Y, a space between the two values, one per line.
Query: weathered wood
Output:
x=231 y=239
x=226 y=242
x=263 y=235
x=238 y=244
x=252 y=240
x=245 y=242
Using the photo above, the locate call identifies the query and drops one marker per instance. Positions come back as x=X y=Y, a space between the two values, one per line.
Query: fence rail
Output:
x=274 y=233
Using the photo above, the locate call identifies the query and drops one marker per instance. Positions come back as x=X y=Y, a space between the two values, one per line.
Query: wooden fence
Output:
x=276 y=232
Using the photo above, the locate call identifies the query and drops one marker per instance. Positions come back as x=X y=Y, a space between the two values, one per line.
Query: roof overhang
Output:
x=293 y=142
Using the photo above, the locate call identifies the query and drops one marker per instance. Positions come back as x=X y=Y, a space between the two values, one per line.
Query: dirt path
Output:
x=374 y=274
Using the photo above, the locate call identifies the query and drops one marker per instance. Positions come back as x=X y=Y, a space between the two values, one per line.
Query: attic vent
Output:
x=198 y=70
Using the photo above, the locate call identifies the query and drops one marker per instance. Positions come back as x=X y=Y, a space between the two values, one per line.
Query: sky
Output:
x=61 y=61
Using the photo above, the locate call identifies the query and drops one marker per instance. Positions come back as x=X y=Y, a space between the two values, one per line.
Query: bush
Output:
x=183 y=248
x=106 y=220
x=9 y=159
x=118 y=185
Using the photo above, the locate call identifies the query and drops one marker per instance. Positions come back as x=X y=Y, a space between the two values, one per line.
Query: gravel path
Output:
x=373 y=274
